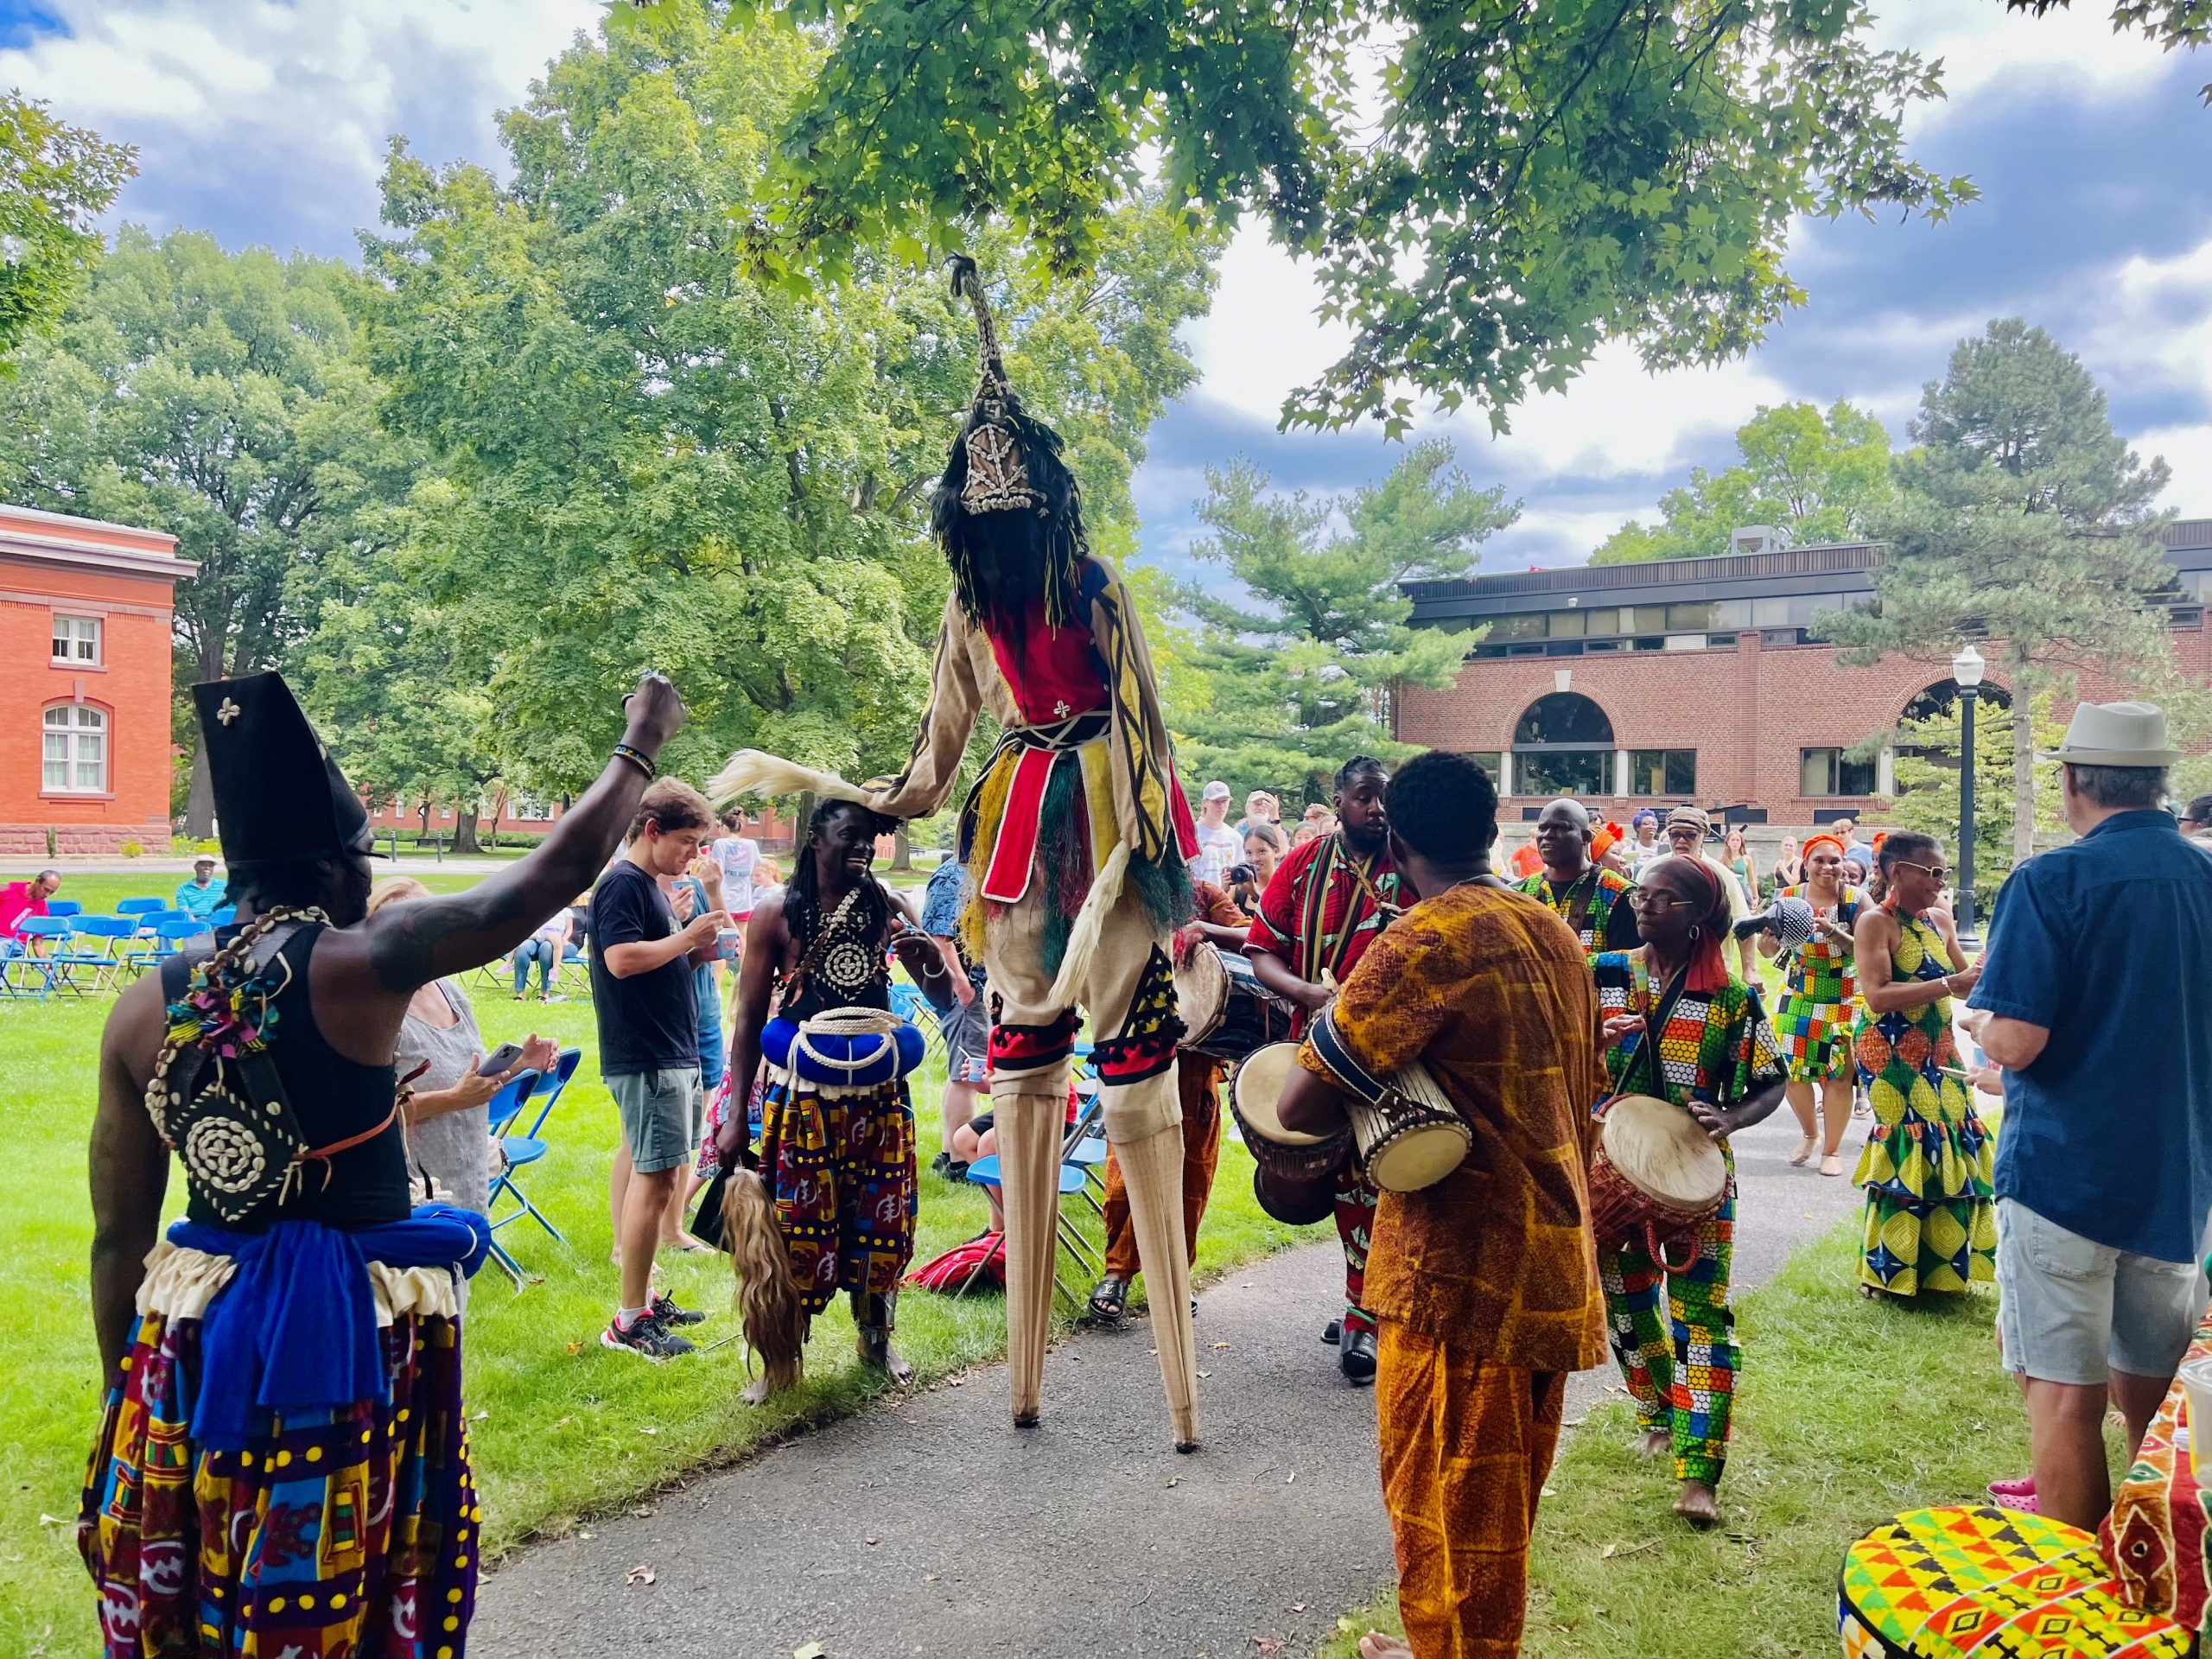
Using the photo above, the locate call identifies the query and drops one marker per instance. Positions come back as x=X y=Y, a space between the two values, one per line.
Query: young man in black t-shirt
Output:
x=642 y=993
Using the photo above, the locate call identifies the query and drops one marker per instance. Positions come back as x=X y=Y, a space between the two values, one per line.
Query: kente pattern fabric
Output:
x=333 y=1535
x=2156 y=1536
x=1682 y=1369
x=1814 y=1019
x=1197 y=1086
x=1322 y=908
x=841 y=1172
x=1607 y=923
x=1989 y=1584
x=1466 y=1443
x=1929 y=1166
x=1718 y=1045
x=1489 y=991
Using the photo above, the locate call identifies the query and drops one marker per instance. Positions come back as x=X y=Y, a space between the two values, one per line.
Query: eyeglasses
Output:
x=1640 y=901
x=1932 y=872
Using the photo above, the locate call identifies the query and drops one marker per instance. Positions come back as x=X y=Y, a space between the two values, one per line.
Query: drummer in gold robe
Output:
x=1485 y=1283
x=1680 y=1027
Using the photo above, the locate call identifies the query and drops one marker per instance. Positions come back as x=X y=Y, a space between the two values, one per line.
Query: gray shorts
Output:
x=2071 y=1309
x=661 y=1114
x=967 y=1031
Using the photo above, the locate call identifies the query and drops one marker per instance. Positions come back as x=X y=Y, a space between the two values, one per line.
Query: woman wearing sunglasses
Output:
x=1717 y=1060
x=1931 y=1220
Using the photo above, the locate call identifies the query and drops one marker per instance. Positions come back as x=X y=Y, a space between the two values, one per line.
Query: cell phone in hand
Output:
x=499 y=1060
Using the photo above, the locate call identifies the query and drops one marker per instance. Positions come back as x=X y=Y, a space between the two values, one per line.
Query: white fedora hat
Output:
x=2116 y=734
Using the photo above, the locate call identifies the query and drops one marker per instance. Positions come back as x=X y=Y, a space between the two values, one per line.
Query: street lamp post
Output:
x=1967 y=670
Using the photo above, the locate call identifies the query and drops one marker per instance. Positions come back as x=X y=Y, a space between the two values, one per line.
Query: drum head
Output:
x=1659 y=1150
x=1419 y=1157
x=1258 y=1088
x=1201 y=992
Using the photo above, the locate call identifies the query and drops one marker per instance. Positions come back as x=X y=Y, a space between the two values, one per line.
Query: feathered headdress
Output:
x=1007 y=511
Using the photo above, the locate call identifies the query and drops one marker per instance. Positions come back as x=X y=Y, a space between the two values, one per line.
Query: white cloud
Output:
x=1988 y=49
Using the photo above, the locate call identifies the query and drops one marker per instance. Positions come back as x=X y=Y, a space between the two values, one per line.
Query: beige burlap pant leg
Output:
x=1031 y=1046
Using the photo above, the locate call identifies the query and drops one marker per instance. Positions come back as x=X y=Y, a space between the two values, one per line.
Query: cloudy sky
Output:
x=266 y=121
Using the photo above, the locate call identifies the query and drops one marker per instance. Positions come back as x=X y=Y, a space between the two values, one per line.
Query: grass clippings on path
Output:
x=1847 y=1412
x=561 y=1428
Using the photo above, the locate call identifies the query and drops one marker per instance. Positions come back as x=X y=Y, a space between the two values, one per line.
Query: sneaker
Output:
x=647 y=1338
x=664 y=1309
x=941 y=1163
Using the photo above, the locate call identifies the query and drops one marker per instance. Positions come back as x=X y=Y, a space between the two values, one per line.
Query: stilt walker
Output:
x=1077 y=835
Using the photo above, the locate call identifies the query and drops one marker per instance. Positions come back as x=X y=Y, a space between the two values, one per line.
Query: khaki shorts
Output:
x=661 y=1115
x=2073 y=1310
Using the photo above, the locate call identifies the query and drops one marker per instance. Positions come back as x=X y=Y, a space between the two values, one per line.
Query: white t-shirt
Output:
x=1219 y=847
x=737 y=856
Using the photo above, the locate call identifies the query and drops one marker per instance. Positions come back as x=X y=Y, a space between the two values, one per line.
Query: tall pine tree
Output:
x=2022 y=518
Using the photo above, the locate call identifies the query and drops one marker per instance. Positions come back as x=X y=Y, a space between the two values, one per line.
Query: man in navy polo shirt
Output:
x=2104 y=1165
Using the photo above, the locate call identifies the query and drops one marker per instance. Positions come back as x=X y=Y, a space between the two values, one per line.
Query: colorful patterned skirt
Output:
x=839 y=1165
x=1989 y=1584
x=335 y=1534
x=1929 y=1166
x=1815 y=1037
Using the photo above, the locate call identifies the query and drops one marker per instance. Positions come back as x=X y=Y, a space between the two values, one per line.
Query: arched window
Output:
x=73 y=748
x=1562 y=745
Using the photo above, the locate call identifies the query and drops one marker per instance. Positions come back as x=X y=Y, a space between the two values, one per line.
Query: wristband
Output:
x=636 y=758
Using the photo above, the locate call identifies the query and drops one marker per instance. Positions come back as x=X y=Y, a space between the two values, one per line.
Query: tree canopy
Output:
x=220 y=397
x=1302 y=649
x=1814 y=476
x=1489 y=191
x=638 y=455
x=55 y=180
x=2023 y=518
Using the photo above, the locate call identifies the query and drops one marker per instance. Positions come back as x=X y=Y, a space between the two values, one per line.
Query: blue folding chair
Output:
x=520 y=1149
x=140 y=906
x=64 y=906
x=223 y=916
x=104 y=958
x=41 y=942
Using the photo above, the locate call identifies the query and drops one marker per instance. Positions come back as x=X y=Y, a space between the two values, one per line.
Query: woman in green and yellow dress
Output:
x=1814 y=1019
x=1931 y=1220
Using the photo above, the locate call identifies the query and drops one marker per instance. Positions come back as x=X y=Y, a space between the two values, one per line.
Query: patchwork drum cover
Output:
x=1989 y=1584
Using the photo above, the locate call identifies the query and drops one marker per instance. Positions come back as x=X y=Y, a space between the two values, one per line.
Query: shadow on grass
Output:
x=1847 y=1412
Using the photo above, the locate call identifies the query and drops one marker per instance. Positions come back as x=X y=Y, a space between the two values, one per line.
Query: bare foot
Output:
x=1832 y=1165
x=1379 y=1646
x=1804 y=1152
x=1698 y=1505
x=1654 y=1442
x=756 y=1392
x=687 y=1245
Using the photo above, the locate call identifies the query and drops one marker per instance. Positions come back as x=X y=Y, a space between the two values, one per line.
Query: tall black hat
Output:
x=278 y=794
x=1006 y=500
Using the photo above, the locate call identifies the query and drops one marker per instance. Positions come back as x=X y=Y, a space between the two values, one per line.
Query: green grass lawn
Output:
x=1847 y=1413
x=561 y=1427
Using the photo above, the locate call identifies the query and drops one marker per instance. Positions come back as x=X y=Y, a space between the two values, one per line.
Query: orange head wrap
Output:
x=1811 y=842
x=1604 y=838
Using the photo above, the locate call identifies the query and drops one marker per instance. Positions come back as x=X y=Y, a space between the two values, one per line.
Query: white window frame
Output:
x=71 y=633
x=82 y=727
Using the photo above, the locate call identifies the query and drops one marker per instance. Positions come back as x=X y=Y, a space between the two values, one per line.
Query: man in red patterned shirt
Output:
x=1328 y=900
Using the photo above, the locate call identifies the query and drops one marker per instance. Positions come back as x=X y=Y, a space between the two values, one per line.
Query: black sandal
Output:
x=1111 y=1301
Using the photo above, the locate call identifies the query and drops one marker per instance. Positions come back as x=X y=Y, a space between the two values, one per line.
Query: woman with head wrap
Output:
x=1929 y=1166
x=1813 y=1021
x=1679 y=1025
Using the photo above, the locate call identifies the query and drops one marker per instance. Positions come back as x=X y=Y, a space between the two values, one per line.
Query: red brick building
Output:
x=84 y=683
x=1698 y=680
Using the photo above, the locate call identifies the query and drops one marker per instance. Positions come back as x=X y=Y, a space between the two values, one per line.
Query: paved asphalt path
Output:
x=934 y=1528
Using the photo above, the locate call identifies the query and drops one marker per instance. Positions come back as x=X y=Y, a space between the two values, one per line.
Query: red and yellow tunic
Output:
x=1324 y=906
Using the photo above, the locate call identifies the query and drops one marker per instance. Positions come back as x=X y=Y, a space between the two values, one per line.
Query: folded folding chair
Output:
x=504 y=1109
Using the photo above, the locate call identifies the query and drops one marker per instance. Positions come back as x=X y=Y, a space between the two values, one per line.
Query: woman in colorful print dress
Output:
x=1931 y=1222
x=1813 y=1020
x=1717 y=1060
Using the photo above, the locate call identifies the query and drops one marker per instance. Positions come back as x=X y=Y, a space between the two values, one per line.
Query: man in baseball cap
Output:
x=1219 y=845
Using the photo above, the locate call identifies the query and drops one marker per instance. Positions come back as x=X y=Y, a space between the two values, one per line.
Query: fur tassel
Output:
x=751 y=772
x=1089 y=924
x=766 y=1300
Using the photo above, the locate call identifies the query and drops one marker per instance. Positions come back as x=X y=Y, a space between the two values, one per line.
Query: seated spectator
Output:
x=200 y=893
x=450 y=1144
x=546 y=948
x=19 y=899
x=979 y=1138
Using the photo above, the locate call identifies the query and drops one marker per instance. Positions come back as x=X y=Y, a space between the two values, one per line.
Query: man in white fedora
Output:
x=2104 y=1165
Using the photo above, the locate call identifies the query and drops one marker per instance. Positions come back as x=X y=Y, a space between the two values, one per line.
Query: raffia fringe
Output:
x=751 y=772
x=1090 y=926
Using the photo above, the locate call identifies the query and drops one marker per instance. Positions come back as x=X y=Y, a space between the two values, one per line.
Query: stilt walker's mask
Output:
x=1007 y=512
